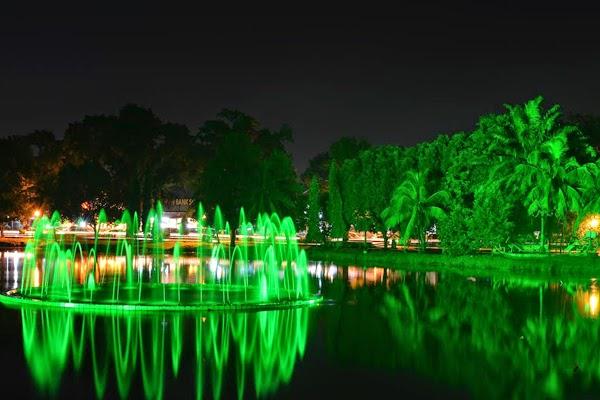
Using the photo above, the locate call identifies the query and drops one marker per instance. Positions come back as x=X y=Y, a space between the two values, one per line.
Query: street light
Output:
x=590 y=224
x=37 y=213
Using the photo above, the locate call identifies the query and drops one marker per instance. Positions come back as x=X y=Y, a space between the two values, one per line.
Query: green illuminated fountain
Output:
x=265 y=268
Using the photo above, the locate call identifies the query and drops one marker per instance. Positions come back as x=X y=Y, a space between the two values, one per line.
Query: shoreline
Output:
x=550 y=266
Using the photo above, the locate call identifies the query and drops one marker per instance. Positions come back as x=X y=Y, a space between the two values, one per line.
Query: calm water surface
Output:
x=402 y=332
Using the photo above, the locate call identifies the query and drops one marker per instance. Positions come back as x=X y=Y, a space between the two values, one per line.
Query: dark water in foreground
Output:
x=418 y=334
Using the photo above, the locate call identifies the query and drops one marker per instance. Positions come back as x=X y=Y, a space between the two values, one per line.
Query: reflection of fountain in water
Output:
x=263 y=348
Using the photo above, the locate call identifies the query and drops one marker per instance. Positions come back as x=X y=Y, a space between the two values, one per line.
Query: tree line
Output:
x=526 y=174
x=132 y=159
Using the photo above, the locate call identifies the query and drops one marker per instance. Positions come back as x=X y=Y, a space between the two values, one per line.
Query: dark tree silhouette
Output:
x=246 y=166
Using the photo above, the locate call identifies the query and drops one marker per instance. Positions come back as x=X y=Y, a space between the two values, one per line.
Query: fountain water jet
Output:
x=264 y=269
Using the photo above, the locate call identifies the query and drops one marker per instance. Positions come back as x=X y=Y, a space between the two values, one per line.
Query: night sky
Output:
x=395 y=79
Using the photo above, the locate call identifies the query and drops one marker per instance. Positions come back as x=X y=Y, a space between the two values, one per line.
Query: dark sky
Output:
x=392 y=78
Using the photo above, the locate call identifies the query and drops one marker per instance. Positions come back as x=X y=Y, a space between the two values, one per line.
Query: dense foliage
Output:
x=525 y=176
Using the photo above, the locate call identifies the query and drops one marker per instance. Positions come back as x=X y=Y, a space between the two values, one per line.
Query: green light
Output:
x=12 y=298
x=265 y=269
x=265 y=347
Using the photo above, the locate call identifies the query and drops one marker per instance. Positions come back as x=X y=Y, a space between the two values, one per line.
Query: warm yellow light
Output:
x=593 y=303
x=37 y=213
x=589 y=225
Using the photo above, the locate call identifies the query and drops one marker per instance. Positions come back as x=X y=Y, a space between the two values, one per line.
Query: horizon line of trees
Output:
x=132 y=159
x=528 y=173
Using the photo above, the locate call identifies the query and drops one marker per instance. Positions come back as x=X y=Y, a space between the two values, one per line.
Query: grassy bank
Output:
x=558 y=266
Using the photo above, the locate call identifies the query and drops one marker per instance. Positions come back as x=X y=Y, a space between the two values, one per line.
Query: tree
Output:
x=277 y=188
x=14 y=158
x=79 y=190
x=533 y=144
x=313 y=233
x=466 y=163
x=141 y=154
x=551 y=182
x=589 y=127
x=490 y=225
x=317 y=166
x=246 y=167
x=345 y=148
x=454 y=230
x=590 y=197
x=411 y=204
x=28 y=164
x=229 y=179
x=212 y=132
x=334 y=209
x=368 y=182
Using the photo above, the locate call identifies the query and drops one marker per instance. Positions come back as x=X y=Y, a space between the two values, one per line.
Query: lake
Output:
x=407 y=333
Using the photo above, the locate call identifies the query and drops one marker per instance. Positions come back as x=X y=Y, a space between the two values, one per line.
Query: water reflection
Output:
x=486 y=336
x=587 y=300
x=261 y=348
x=494 y=338
x=357 y=276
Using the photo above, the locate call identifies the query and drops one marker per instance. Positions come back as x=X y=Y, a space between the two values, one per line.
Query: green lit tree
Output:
x=490 y=224
x=584 y=143
x=453 y=230
x=356 y=196
x=551 y=182
x=533 y=144
x=413 y=207
x=377 y=180
x=313 y=233
x=334 y=207
x=367 y=184
x=524 y=128
x=591 y=195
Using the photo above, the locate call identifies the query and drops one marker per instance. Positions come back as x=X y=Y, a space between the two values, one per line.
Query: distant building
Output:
x=177 y=208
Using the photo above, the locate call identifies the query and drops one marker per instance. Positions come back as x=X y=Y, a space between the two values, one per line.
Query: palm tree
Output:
x=532 y=144
x=551 y=181
x=525 y=127
x=520 y=132
x=591 y=195
x=412 y=204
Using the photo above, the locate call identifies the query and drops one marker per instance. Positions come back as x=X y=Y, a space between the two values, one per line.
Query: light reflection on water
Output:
x=486 y=336
x=587 y=299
